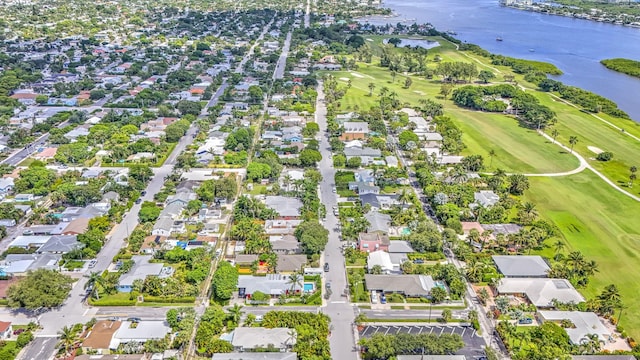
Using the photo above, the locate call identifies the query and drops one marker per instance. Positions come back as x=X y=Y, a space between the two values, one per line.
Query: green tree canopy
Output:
x=40 y=289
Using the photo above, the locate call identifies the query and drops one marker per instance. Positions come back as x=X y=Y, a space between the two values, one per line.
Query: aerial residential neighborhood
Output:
x=294 y=180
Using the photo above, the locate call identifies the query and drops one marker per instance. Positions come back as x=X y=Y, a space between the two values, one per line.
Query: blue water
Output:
x=406 y=231
x=576 y=46
x=308 y=287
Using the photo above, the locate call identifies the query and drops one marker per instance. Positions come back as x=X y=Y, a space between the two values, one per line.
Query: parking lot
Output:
x=474 y=343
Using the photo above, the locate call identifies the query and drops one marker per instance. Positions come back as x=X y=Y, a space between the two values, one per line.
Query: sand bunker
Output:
x=345 y=79
x=595 y=150
x=357 y=75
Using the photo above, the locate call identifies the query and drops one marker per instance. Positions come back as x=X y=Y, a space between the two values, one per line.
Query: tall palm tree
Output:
x=235 y=313
x=94 y=279
x=68 y=338
x=295 y=279
x=404 y=196
x=559 y=245
x=573 y=140
x=492 y=154
x=371 y=87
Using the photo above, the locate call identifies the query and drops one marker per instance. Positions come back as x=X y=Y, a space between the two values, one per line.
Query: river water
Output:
x=575 y=46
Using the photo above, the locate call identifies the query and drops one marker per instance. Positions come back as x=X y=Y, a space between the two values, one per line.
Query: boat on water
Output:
x=532 y=50
x=451 y=32
x=499 y=38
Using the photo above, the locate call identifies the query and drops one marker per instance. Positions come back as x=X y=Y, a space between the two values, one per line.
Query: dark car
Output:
x=418 y=261
x=134 y=319
x=138 y=201
x=326 y=267
x=143 y=193
x=525 y=321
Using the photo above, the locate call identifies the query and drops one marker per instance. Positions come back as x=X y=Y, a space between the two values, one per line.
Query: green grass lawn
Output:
x=598 y=221
x=517 y=149
x=592 y=132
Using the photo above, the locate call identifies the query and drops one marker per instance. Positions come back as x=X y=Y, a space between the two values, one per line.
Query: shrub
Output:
x=605 y=156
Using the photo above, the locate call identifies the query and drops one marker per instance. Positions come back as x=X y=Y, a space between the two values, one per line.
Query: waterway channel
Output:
x=576 y=46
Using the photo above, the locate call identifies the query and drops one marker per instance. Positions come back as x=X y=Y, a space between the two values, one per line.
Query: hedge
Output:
x=169 y=300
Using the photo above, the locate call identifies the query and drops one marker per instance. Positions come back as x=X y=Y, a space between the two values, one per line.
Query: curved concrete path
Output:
x=586 y=165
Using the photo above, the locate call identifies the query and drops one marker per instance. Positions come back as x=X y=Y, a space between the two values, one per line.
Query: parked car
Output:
x=134 y=319
x=143 y=193
x=138 y=201
x=326 y=267
x=526 y=321
x=92 y=264
x=327 y=285
x=383 y=299
x=418 y=261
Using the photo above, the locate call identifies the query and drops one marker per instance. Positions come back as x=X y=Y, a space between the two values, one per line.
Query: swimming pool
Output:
x=308 y=287
x=441 y=285
x=406 y=231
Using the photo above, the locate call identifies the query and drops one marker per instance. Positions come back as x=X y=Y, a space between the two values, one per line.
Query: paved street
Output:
x=282 y=60
x=39 y=348
x=342 y=313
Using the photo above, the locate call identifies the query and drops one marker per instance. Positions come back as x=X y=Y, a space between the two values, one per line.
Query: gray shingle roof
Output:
x=521 y=266
x=410 y=285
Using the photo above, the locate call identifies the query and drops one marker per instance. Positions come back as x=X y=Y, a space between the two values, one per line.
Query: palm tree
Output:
x=235 y=313
x=492 y=154
x=633 y=175
x=591 y=344
x=559 y=245
x=295 y=279
x=94 y=279
x=573 y=140
x=371 y=86
x=286 y=180
x=68 y=338
x=404 y=197
x=292 y=335
x=554 y=134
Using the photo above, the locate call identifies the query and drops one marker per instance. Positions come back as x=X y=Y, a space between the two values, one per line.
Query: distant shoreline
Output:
x=548 y=10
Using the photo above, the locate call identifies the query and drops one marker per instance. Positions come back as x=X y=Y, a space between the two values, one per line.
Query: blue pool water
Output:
x=406 y=231
x=308 y=287
x=441 y=285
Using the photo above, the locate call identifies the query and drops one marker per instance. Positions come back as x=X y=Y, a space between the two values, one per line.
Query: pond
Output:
x=425 y=44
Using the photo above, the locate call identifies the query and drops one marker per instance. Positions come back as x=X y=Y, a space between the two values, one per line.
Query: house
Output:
x=281 y=227
x=367 y=155
x=6 y=330
x=540 y=291
x=378 y=202
x=100 y=336
x=532 y=266
x=382 y=259
x=378 y=223
x=399 y=251
x=430 y=357
x=272 y=284
x=76 y=133
x=24 y=197
x=245 y=259
x=368 y=242
x=352 y=130
x=7 y=222
x=365 y=176
x=603 y=357
x=505 y=229
x=285 y=244
x=91 y=174
x=256 y=356
x=140 y=270
x=6 y=185
x=288 y=264
x=255 y=338
x=60 y=244
x=286 y=207
x=391 y=161
x=486 y=198
x=363 y=188
x=140 y=333
x=76 y=227
x=17 y=264
x=114 y=357
x=431 y=139
x=407 y=285
x=584 y=324
x=29 y=241
x=163 y=226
